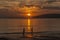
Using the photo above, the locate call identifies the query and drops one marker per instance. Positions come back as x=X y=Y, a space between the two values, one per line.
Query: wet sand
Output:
x=35 y=36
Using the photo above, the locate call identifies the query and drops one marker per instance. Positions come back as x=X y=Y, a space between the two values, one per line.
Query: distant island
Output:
x=40 y=16
x=48 y=16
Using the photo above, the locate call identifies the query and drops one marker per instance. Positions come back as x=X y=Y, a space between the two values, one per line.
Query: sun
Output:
x=29 y=14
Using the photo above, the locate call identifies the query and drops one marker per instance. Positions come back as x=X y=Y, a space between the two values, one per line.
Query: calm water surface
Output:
x=17 y=25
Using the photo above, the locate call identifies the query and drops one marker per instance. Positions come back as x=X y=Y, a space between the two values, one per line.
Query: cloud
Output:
x=8 y=0
x=54 y=4
x=8 y=3
x=17 y=3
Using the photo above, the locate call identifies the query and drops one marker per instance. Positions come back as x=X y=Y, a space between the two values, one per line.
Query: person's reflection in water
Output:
x=23 y=32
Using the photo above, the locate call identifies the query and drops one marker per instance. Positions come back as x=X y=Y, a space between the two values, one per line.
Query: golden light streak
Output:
x=29 y=28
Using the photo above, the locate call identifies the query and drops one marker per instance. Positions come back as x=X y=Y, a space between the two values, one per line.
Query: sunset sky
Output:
x=4 y=3
x=15 y=10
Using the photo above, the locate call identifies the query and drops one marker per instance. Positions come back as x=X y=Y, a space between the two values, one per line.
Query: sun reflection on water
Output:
x=29 y=27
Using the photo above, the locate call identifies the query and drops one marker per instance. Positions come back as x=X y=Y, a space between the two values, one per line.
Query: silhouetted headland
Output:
x=39 y=16
x=48 y=16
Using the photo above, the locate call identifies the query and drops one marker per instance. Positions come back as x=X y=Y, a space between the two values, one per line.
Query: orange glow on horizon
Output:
x=29 y=14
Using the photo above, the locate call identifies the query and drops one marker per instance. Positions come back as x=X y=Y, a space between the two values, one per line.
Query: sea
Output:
x=39 y=25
